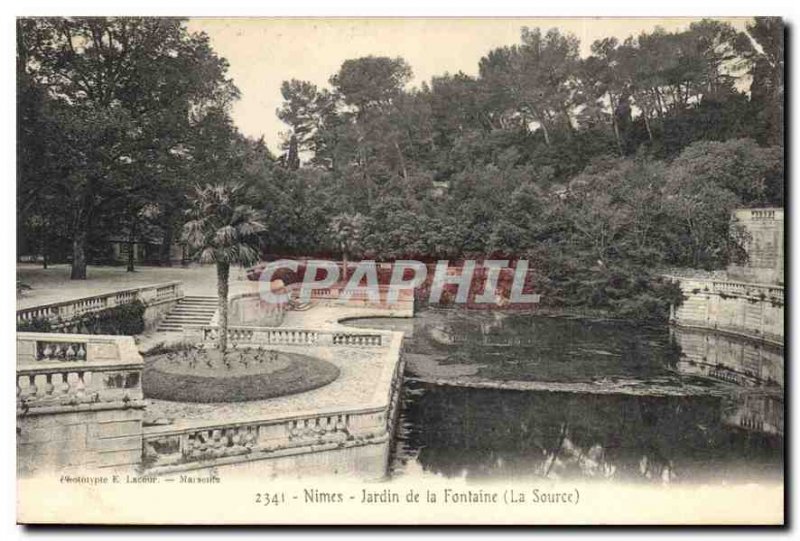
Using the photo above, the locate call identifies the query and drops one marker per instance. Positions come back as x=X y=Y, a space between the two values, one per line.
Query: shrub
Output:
x=37 y=324
x=22 y=287
x=125 y=319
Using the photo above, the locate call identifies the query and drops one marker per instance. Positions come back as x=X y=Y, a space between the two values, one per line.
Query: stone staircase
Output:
x=190 y=310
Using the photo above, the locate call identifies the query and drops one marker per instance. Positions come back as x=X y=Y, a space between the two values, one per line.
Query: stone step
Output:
x=190 y=310
x=167 y=324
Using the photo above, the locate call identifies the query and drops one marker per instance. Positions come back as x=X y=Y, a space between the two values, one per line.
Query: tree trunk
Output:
x=540 y=117
x=343 y=278
x=131 y=246
x=402 y=161
x=166 y=244
x=647 y=125
x=568 y=120
x=44 y=251
x=546 y=133
x=78 y=256
x=614 y=123
x=223 y=270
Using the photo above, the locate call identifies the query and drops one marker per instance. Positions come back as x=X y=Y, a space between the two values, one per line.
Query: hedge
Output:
x=125 y=319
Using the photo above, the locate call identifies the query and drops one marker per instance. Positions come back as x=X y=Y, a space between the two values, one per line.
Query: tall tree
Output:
x=767 y=87
x=347 y=231
x=224 y=231
x=537 y=78
x=605 y=89
x=123 y=93
x=300 y=112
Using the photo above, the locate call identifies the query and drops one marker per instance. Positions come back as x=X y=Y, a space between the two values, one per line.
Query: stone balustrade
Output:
x=168 y=448
x=286 y=336
x=55 y=370
x=762 y=214
x=79 y=403
x=64 y=312
x=769 y=292
x=258 y=439
x=358 y=297
x=741 y=308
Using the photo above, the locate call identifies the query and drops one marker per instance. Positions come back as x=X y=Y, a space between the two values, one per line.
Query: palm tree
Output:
x=347 y=230
x=225 y=232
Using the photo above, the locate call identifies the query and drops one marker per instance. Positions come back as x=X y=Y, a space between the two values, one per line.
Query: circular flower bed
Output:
x=206 y=375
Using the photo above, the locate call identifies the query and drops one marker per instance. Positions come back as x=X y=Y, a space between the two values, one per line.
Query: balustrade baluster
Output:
x=80 y=385
x=33 y=390
x=64 y=385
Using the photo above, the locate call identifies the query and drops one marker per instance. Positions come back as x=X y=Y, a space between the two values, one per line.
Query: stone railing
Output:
x=167 y=448
x=762 y=214
x=335 y=295
x=65 y=311
x=79 y=403
x=286 y=336
x=768 y=292
x=58 y=370
x=258 y=439
x=745 y=309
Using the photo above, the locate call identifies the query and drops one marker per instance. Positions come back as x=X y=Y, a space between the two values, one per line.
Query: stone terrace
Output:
x=361 y=369
x=360 y=372
x=356 y=385
x=53 y=284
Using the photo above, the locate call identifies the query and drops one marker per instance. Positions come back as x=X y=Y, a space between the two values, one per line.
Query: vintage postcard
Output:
x=398 y=271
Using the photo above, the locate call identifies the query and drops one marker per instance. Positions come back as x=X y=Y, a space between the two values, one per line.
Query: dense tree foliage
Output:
x=120 y=114
x=599 y=169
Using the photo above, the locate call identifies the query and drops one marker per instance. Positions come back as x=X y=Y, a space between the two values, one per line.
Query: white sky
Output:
x=264 y=52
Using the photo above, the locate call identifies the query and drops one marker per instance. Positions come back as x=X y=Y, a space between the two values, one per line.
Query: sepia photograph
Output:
x=400 y=270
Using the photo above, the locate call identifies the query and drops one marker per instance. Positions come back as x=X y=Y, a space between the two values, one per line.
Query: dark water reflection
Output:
x=731 y=434
x=483 y=433
x=524 y=348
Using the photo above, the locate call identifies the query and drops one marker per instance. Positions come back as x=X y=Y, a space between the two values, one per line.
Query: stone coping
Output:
x=61 y=308
x=723 y=281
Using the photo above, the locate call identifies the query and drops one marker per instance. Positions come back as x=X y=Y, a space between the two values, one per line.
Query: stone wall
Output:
x=79 y=403
x=79 y=441
x=750 y=310
x=741 y=361
x=367 y=461
x=250 y=309
x=764 y=246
